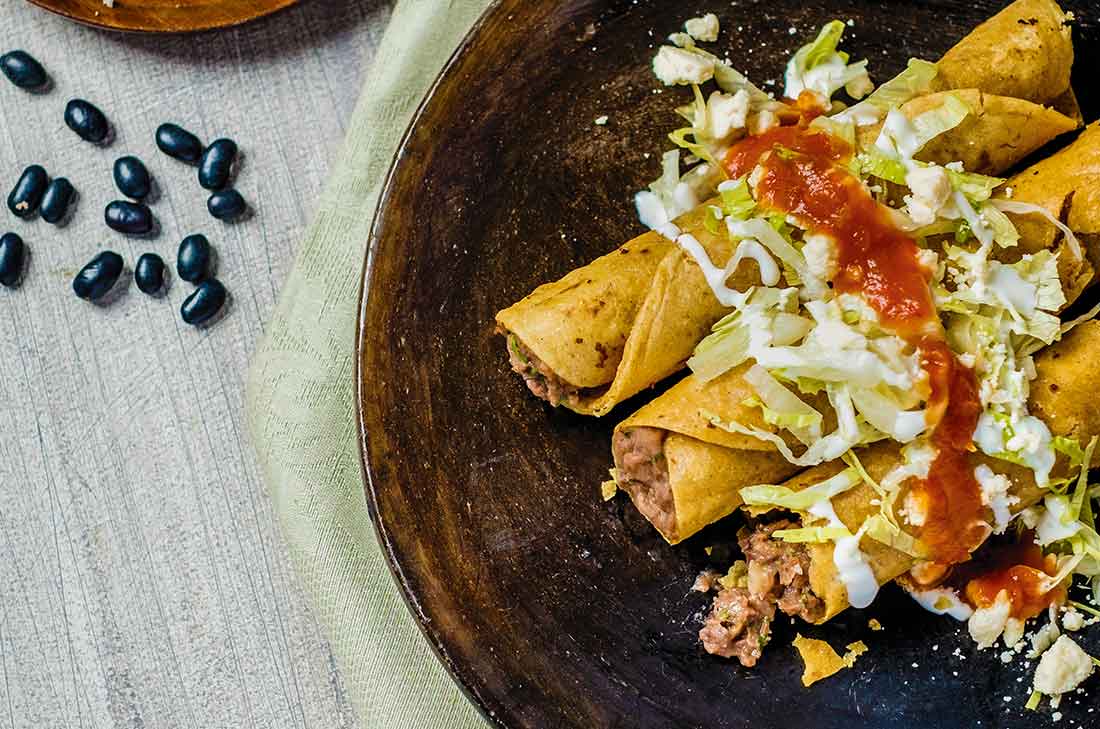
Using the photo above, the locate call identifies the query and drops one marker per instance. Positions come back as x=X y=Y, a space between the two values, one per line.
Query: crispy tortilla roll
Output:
x=1024 y=51
x=667 y=495
x=627 y=320
x=802 y=580
x=999 y=133
x=1062 y=395
x=684 y=473
x=1067 y=185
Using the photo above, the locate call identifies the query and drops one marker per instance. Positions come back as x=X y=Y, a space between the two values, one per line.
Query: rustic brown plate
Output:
x=552 y=608
x=164 y=16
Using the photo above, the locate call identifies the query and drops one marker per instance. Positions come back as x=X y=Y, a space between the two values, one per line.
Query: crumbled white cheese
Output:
x=601 y=120
x=682 y=40
x=995 y=494
x=1054 y=523
x=821 y=256
x=988 y=623
x=1014 y=633
x=681 y=66
x=931 y=188
x=1042 y=639
x=915 y=510
x=928 y=260
x=762 y=122
x=1062 y=668
x=109 y=3
x=1073 y=620
x=704 y=28
x=726 y=114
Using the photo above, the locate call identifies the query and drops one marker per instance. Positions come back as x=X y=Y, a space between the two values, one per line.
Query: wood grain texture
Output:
x=143 y=582
x=164 y=16
x=552 y=607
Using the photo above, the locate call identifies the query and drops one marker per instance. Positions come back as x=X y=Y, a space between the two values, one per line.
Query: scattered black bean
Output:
x=206 y=301
x=12 y=253
x=226 y=204
x=149 y=273
x=87 y=121
x=193 y=258
x=24 y=198
x=99 y=276
x=132 y=177
x=217 y=164
x=23 y=70
x=55 y=203
x=177 y=142
x=128 y=217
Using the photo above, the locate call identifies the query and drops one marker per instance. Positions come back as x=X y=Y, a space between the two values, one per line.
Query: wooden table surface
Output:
x=143 y=581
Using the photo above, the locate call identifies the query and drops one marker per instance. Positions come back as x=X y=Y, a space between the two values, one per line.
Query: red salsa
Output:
x=1020 y=569
x=744 y=156
x=880 y=262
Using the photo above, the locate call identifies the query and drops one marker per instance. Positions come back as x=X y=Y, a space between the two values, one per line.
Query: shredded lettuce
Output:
x=820 y=68
x=902 y=138
x=1022 y=208
x=736 y=198
x=783 y=408
x=914 y=81
x=877 y=527
x=784 y=498
x=977 y=188
x=934 y=122
x=815 y=534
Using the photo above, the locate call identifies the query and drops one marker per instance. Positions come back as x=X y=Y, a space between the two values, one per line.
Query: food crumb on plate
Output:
x=822 y=661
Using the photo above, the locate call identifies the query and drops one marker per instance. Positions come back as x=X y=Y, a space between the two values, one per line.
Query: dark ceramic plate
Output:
x=551 y=607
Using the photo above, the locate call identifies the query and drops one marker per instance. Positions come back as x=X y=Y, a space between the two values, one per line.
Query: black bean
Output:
x=206 y=301
x=12 y=253
x=177 y=142
x=226 y=205
x=98 y=277
x=55 y=203
x=87 y=121
x=132 y=177
x=149 y=273
x=128 y=217
x=24 y=198
x=217 y=164
x=193 y=258
x=23 y=70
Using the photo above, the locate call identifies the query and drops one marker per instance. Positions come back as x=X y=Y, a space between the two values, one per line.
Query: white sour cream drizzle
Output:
x=942 y=601
x=716 y=277
x=851 y=563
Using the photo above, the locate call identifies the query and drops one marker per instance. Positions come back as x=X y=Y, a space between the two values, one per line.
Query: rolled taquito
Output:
x=1067 y=184
x=1062 y=396
x=999 y=132
x=1025 y=52
x=615 y=327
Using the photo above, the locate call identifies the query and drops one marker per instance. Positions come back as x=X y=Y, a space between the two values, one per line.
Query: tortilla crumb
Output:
x=874 y=624
x=822 y=661
x=608 y=489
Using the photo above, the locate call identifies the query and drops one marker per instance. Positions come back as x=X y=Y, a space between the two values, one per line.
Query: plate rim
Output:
x=468 y=682
x=102 y=22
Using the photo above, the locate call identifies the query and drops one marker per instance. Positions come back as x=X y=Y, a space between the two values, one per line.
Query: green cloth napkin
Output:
x=301 y=400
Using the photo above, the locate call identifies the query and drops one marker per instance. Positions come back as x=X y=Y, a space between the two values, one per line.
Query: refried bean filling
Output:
x=642 y=471
x=739 y=623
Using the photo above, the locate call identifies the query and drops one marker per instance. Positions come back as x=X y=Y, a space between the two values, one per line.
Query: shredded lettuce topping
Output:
x=827 y=378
